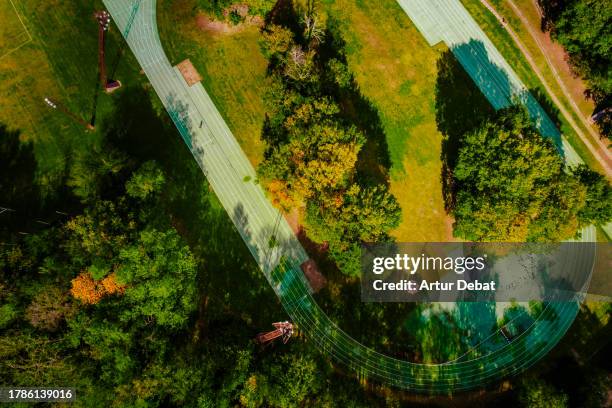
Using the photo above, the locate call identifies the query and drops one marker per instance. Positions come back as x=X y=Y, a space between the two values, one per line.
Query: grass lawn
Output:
x=396 y=70
x=517 y=61
x=59 y=62
x=13 y=34
x=233 y=68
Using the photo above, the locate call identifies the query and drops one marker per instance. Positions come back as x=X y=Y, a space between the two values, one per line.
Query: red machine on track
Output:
x=283 y=330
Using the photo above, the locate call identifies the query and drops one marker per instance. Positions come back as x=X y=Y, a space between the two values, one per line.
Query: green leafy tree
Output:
x=94 y=237
x=159 y=272
x=368 y=213
x=339 y=73
x=293 y=378
x=535 y=393
x=598 y=206
x=276 y=42
x=360 y=215
x=583 y=28
x=147 y=180
x=279 y=101
x=8 y=314
x=315 y=164
x=94 y=170
x=512 y=185
x=286 y=381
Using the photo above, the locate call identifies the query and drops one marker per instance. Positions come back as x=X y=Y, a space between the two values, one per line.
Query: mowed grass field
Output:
x=231 y=64
x=60 y=62
x=396 y=70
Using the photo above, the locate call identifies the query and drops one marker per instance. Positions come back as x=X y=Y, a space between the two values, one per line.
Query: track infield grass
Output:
x=396 y=70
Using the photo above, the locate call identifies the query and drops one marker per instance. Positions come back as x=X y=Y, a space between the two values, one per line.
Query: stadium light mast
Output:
x=53 y=104
x=103 y=18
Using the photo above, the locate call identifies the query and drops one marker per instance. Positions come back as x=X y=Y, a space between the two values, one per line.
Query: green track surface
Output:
x=491 y=356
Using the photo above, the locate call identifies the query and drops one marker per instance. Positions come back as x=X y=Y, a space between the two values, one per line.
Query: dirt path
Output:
x=597 y=148
x=548 y=48
x=206 y=23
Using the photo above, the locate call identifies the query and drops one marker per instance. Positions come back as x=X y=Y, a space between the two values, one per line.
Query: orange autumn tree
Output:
x=110 y=285
x=90 y=291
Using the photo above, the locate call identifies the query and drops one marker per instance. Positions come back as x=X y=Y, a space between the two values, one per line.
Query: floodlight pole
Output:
x=103 y=18
x=53 y=104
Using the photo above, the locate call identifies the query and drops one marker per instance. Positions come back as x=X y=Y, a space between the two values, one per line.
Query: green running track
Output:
x=226 y=167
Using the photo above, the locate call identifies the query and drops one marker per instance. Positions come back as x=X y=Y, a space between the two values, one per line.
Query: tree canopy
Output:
x=512 y=185
x=584 y=29
x=314 y=145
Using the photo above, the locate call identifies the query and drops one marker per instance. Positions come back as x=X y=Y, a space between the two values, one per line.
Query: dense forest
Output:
x=113 y=300
x=584 y=28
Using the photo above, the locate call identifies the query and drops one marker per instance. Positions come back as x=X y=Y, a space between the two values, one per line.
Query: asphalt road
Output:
x=227 y=169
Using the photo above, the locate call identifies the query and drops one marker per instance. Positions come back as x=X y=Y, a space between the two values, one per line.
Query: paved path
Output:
x=226 y=166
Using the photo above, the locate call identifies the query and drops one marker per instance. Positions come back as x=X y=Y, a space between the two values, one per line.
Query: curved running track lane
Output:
x=226 y=166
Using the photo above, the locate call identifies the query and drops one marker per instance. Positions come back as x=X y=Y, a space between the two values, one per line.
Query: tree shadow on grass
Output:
x=17 y=171
x=20 y=195
x=24 y=206
x=460 y=108
x=284 y=14
x=374 y=160
x=137 y=129
x=547 y=105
